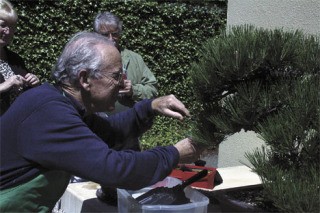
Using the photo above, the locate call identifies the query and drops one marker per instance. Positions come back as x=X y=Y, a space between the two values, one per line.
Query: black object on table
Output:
x=169 y=196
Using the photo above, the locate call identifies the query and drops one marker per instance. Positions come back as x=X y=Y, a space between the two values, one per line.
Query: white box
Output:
x=127 y=203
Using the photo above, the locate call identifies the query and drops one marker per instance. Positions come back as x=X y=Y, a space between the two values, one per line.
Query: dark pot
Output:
x=248 y=199
x=229 y=204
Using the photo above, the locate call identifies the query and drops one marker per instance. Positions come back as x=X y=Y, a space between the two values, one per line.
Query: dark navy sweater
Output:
x=46 y=130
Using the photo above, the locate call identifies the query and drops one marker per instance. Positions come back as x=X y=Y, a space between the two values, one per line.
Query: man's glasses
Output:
x=112 y=34
x=6 y=26
x=117 y=76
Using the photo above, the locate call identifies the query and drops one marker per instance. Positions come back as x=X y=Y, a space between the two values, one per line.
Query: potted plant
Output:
x=267 y=81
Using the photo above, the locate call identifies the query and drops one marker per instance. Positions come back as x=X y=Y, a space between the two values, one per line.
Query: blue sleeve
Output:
x=55 y=137
x=123 y=125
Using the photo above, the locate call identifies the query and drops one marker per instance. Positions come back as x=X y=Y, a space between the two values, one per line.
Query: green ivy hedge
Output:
x=168 y=34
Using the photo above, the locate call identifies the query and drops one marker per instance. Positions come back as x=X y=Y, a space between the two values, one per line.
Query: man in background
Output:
x=140 y=83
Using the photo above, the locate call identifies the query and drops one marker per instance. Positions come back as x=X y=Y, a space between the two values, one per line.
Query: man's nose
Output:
x=110 y=37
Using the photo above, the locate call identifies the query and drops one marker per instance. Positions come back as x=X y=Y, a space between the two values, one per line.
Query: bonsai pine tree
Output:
x=267 y=81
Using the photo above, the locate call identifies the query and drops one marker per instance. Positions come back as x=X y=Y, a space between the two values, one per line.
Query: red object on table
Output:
x=182 y=173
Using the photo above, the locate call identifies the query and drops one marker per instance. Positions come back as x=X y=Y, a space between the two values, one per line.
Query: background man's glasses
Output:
x=112 y=34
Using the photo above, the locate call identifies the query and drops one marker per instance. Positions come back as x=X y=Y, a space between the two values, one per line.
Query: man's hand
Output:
x=126 y=88
x=188 y=151
x=31 y=79
x=170 y=106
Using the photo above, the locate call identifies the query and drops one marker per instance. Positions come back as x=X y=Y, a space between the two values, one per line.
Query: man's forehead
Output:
x=109 y=48
x=112 y=56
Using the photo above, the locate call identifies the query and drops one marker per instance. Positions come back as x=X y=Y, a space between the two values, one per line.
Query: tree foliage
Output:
x=267 y=81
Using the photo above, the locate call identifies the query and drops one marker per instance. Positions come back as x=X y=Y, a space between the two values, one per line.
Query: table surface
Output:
x=81 y=197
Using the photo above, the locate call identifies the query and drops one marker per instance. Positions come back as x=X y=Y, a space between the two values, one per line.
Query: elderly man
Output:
x=141 y=82
x=53 y=131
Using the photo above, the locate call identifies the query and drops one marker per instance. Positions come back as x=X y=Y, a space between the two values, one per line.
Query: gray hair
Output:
x=7 y=12
x=106 y=18
x=80 y=53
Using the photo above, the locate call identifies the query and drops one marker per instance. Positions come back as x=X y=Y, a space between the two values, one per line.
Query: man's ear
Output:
x=84 y=80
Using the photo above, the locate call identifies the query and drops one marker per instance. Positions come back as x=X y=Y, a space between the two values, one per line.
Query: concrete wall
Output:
x=232 y=150
x=289 y=14
x=286 y=14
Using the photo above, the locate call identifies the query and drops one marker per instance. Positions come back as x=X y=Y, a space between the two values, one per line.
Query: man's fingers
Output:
x=173 y=114
x=170 y=106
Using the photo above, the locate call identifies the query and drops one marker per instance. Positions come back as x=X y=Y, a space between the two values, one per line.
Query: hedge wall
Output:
x=168 y=34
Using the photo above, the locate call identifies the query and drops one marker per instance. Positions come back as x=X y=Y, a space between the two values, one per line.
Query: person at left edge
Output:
x=53 y=132
x=14 y=76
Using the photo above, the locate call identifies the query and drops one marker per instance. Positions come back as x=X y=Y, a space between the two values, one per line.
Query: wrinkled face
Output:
x=7 y=30
x=104 y=90
x=112 y=32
